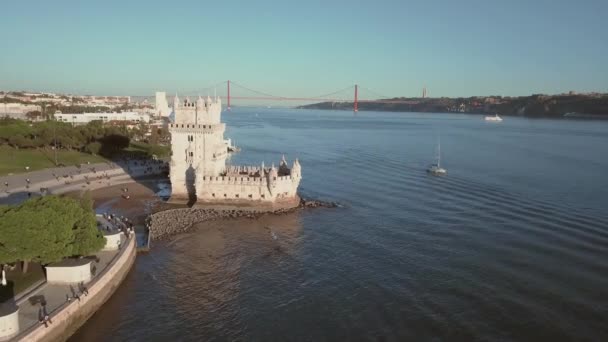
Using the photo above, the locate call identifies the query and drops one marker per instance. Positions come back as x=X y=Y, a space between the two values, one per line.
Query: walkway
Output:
x=15 y=188
x=53 y=296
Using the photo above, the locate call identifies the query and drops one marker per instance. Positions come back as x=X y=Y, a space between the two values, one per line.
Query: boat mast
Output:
x=439 y=151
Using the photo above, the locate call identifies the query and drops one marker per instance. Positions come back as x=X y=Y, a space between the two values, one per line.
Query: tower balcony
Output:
x=196 y=128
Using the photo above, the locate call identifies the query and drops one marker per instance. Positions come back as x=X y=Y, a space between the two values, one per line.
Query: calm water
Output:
x=512 y=245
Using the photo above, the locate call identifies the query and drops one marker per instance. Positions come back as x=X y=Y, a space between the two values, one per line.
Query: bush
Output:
x=93 y=147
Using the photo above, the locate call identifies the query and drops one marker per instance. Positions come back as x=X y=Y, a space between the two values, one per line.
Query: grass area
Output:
x=14 y=160
x=18 y=281
x=159 y=151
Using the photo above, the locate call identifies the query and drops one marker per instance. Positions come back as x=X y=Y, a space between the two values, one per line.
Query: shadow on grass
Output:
x=17 y=281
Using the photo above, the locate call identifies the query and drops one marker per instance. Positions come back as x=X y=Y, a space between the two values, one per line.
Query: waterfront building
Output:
x=198 y=163
x=84 y=118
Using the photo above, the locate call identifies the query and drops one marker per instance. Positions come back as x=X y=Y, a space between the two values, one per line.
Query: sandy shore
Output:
x=142 y=201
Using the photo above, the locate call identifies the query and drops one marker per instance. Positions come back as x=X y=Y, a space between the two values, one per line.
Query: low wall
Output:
x=113 y=240
x=69 y=317
x=9 y=321
x=72 y=272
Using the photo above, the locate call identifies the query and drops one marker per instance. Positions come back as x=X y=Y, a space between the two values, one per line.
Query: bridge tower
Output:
x=356 y=103
x=228 y=97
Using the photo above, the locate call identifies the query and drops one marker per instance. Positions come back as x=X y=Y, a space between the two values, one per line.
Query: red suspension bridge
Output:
x=346 y=95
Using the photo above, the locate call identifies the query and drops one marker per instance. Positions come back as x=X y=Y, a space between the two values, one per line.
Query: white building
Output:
x=84 y=118
x=162 y=106
x=17 y=110
x=198 y=163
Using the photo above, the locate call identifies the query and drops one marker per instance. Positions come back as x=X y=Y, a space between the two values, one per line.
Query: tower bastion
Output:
x=198 y=164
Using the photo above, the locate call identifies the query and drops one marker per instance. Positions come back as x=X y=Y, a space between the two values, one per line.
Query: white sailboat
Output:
x=495 y=118
x=436 y=169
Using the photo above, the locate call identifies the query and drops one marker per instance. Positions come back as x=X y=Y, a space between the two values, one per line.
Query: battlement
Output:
x=200 y=112
x=228 y=189
x=245 y=180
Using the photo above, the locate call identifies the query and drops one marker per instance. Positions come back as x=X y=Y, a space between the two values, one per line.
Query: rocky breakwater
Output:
x=172 y=221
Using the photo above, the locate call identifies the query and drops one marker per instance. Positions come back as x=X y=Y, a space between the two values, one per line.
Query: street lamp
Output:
x=55 y=138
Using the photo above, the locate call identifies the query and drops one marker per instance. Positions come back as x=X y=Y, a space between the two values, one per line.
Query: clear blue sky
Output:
x=456 y=48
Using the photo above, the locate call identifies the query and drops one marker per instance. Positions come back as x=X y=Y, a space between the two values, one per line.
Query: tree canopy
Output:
x=48 y=229
x=21 y=134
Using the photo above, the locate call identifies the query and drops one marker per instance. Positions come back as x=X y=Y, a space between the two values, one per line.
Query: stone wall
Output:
x=245 y=188
x=68 y=318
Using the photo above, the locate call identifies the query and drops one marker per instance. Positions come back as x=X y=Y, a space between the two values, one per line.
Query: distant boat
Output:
x=495 y=118
x=436 y=169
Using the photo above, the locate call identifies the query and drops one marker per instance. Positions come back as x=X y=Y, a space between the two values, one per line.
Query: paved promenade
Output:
x=50 y=297
x=55 y=295
x=16 y=188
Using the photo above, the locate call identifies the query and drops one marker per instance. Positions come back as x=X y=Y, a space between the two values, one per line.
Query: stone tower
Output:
x=198 y=148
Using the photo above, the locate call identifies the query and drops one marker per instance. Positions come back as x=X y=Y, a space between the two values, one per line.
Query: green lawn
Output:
x=15 y=160
x=148 y=150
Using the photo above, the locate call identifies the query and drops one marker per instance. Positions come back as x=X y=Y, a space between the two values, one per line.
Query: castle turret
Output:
x=175 y=102
x=296 y=170
x=272 y=178
x=283 y=168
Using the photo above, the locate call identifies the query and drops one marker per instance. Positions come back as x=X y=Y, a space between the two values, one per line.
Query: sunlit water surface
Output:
x=512 y=245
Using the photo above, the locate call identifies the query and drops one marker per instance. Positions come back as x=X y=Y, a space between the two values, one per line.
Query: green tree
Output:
x=87 y=238
x=113 y=143
x=33 y=115
x=48 y=229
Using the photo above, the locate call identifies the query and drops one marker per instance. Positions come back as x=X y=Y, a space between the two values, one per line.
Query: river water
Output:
x=511 y=245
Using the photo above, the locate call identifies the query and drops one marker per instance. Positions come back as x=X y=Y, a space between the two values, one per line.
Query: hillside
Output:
x=571 y=105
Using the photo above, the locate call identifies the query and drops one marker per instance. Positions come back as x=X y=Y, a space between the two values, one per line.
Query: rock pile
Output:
x=317 y=204
x=165 y=223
